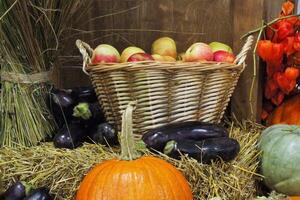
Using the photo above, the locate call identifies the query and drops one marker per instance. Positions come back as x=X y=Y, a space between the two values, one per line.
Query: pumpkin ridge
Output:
x=179 y=176
x=156 y=176
x=148 y=171
x=123 y=167
x=159 y=166
x=95 y=183
x=81 y=194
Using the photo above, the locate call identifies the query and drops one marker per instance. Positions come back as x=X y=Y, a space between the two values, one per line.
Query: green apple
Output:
x=218 y=46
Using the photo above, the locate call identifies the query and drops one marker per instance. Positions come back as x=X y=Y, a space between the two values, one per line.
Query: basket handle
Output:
x=241 y=57
x=86 y=52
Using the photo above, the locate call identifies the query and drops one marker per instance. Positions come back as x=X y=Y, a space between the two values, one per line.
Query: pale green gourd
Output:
x=280 y=158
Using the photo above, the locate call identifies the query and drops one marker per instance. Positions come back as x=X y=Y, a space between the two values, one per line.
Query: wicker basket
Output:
x=165 y=91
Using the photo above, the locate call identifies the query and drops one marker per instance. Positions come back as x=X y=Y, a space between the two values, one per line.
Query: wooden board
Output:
x=122 y=23
x=248 y=15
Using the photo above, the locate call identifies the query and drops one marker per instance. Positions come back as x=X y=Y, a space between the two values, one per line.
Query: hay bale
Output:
x=62 y=170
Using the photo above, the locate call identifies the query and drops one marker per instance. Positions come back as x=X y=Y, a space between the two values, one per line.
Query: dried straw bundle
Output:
x=62 y=170
x=30 y=34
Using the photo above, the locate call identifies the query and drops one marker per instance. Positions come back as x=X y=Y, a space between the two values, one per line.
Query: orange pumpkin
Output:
x=133 y=177
x=294 y=198
x=286 y=113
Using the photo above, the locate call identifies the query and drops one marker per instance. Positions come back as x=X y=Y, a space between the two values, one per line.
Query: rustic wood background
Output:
x=139 y=22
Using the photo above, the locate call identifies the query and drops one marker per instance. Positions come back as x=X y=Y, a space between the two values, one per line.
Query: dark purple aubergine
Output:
x=84 y=94
x=204 y=151
x=194 y=130
x=103 y=133
x=39 y=194
x=61 y=105
x=17 y=191
x=70 y=136
x=89 y=113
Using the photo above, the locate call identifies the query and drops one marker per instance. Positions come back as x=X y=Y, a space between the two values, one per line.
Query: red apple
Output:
x=105 y=53
x=224 y=56
x=198 y=52
x=140 y=57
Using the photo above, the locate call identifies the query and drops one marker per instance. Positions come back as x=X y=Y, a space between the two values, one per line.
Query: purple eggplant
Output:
x=90 y=113
x=204 y=151
x=103 y=134
x=70 y=136
x=84 y=94
x=61 y=105
x=17 y=191
x=39 y=194
x=194 y=130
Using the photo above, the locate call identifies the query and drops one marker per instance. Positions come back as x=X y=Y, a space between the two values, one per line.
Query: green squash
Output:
x=280 y=158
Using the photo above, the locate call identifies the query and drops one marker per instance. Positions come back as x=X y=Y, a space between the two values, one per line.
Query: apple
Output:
x=105 y=53
x=164 y=46
x=129 y=51
x=158 y=57
x=199 y=52
x=140 y=57
x=169 y=59
x=224 y=56
x=218 y=46
x=163 y=58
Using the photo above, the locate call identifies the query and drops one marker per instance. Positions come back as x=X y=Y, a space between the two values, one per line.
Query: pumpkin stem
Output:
x=128 y=148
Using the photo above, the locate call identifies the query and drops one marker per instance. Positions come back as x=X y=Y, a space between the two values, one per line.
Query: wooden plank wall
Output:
x=248 y=15
x=139 y=22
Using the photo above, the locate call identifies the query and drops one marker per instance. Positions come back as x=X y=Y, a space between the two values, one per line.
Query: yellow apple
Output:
x=158 y=57
x=164 y=46
x=129 y=51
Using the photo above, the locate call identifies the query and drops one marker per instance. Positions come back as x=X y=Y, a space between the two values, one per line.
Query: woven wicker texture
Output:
x=165 y=91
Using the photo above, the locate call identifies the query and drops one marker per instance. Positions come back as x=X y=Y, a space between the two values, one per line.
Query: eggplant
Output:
x=61 y=105
x=84 y=94
x=205 y=150
x=17 y=191
x=69 y=136
x=39 y=194
x=194 y=130
x=103 y=134
x=90 y=113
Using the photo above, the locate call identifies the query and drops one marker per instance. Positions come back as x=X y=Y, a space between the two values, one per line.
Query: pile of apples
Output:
x=164 y=50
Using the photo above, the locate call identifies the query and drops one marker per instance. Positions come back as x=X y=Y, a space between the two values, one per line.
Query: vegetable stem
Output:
x=28 y=187
x=169 y=147
x=82 y=110
x=268 y=24
x=128 y=148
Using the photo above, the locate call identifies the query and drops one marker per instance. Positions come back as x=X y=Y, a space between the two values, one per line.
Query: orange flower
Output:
x=286 y=85
x=270 y=51
x=288 y=45
x=278 y=98
x=285 y=29
x=287 y=8
x=297 y=42
x=271 y=89
x=291 y=73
